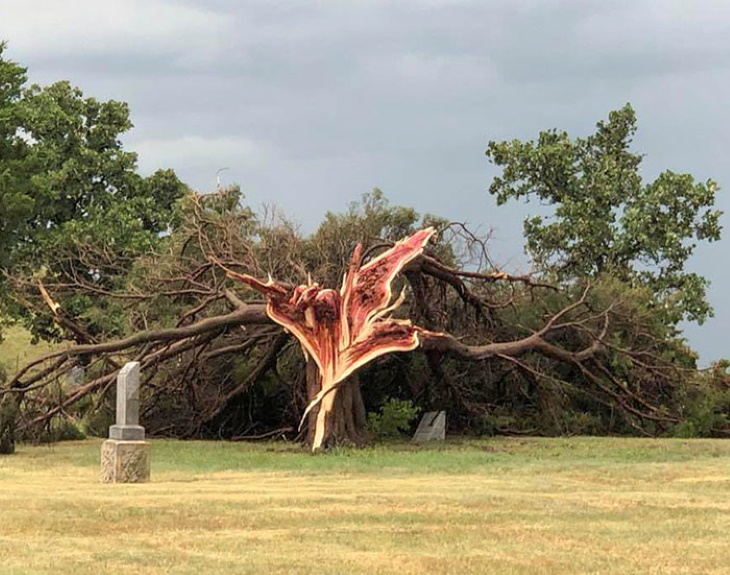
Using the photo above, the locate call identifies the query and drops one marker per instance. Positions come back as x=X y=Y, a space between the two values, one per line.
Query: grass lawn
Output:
x=497 y=506
x=16 y=349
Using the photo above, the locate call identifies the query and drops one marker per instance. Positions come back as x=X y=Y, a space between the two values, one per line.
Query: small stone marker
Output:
x=432 y=427
x=76 y=376
x=125 y=456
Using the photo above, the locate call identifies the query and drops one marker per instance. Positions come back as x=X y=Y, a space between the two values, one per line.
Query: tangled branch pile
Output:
x=520 y=355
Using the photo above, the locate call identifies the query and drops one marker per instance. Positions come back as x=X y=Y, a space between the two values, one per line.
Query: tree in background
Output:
x=73 y=207
x=606 y=219
x=73 y=210
x=15 y=204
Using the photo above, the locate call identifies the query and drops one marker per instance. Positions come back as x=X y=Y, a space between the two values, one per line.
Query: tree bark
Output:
x=346 y=423
x=8 y=414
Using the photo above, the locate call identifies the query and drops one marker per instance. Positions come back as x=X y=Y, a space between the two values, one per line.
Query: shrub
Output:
x=62 y=429
x=96 y=422
x=395 y=418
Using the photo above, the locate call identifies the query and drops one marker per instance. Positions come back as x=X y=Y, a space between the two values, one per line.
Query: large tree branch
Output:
x=534 y=342
x=432 y=266
x=249 y=314
x=148 y=361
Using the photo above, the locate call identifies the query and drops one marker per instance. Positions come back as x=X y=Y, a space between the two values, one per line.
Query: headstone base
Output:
x=126 y=432
x=125 y=461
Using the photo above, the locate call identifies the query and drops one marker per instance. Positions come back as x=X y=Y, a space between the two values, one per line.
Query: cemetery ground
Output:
x=498 y=506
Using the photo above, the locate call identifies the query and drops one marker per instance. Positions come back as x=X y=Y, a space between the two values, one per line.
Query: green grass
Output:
x=16 y=349
x=499 y=506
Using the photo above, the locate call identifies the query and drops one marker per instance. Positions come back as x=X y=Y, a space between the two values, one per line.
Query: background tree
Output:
x=15 y=204
x=606 y=219
x=74 y=208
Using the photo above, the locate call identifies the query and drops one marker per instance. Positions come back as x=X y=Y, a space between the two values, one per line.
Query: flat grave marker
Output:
x=431 y=428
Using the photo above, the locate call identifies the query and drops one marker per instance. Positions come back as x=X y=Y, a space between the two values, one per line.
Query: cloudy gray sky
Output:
x=312 y=103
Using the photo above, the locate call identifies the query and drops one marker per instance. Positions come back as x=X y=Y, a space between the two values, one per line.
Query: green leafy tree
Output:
x=606 y=220
x=74 y=208
x=372 y=220
x=15 y=203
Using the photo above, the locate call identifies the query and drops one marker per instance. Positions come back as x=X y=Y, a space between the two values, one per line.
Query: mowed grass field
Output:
x=495 y=506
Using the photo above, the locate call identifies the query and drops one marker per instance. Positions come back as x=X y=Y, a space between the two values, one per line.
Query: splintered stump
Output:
x=125 y=456
x=341 y=331
x=345 y=424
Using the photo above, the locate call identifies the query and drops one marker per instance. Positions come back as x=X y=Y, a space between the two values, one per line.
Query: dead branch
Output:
x=253 y=314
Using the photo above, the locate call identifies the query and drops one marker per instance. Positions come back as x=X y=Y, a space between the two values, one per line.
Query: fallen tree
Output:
x=221 y=367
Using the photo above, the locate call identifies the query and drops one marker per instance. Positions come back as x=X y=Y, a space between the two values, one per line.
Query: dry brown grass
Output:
x=584 y=505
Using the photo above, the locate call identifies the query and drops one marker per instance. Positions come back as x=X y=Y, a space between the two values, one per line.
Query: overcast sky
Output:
x=312 y=103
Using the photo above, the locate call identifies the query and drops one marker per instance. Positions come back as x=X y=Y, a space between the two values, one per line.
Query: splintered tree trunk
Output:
x=346 y=422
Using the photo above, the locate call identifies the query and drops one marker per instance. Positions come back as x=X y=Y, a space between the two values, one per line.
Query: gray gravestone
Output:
x=127 y=426
x=125 y=456
x=76 y=376
x=432 y=427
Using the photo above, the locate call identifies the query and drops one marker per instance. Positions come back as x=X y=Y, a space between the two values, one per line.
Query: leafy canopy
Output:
x=72 y=204
x=606 y=220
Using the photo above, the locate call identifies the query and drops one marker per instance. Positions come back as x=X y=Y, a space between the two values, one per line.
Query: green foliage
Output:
x=372 y=221
x=90 y=417
x=706 y=404
x=8 y=412
x=372 y=218
x=8 y=418
x=97 y=421
x=73 y=209
x=393 y=420
x=62 y=429
x=642 y=364
x=606 y=220
x=14 y=202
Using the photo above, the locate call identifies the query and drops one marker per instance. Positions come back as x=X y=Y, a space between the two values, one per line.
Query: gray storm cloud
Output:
x=313 y=103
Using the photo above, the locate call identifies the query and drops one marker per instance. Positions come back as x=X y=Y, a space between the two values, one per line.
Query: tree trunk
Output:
x=345 y=424
x=8 y=414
